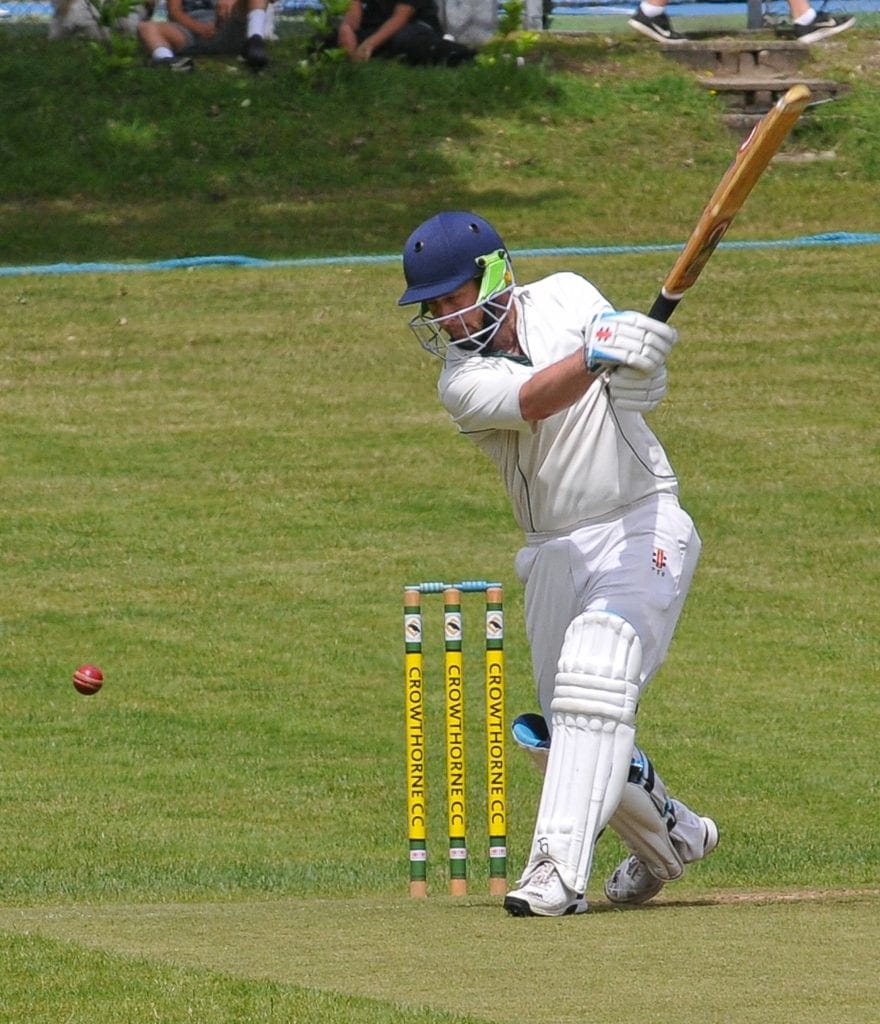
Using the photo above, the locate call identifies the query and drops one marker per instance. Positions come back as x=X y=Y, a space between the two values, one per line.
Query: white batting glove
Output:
x=635 y=391
x=628 y=339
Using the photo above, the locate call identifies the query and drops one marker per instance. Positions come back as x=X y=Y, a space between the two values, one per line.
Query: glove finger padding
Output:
x=636 y=391
x=629 y=339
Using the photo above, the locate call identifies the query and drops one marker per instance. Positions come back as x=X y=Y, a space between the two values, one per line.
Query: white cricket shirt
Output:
x=587 y=462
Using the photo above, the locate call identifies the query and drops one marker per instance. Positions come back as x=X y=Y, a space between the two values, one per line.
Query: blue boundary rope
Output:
x=186 y=263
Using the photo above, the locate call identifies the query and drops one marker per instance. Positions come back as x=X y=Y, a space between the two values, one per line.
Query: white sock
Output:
x=256 y=23
x=652 y=10
x=806 y=19
x=163 y=53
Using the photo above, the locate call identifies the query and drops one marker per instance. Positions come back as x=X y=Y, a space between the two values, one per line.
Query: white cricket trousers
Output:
x=638 y=566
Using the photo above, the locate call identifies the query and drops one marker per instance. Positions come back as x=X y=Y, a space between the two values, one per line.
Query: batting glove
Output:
x=635 y=391
x=628 y=339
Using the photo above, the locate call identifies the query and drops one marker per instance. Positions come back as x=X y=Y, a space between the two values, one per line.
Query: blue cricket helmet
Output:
x=443 y=252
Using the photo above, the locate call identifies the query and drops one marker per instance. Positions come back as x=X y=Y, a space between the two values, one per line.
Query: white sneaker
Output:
x=544 y=894
x=822 y=26
x=631 y=882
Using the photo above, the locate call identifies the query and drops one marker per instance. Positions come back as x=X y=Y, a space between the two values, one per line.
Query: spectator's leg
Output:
x=416 y=43
x=161 y=39
x=254 y=51
x=419 y=43
x=810 y=26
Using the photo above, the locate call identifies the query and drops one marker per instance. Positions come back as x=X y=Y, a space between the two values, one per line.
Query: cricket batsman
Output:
x=553 y=384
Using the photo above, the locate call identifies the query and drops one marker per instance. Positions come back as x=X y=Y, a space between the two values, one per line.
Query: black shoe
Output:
x=659 y=28
x=821 y=27
x=254 y=53
x=173 y=63
x=452 y=54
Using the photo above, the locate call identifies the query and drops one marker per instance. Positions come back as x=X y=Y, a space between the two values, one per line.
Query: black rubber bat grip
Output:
x=663 y=308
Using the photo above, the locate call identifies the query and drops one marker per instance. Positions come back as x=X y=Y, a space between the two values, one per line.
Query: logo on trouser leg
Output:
x=658 y=561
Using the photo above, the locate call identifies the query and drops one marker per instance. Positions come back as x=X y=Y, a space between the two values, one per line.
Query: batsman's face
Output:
x=457 y=313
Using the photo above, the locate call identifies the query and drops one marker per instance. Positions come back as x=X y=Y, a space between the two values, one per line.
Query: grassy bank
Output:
x=598 y=140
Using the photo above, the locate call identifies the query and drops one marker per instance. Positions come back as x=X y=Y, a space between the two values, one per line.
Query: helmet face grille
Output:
x=444 y=252
x=494 y=301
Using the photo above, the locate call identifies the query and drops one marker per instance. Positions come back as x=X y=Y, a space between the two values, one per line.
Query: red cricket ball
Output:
x=88 y=679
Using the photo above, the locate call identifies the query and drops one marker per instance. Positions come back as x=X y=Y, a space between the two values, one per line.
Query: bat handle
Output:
x=664 y=306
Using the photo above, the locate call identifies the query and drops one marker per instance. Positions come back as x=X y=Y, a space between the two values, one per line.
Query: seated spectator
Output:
x=79 y=18
x=651 y=19
x=207 y=27
x=388 y=28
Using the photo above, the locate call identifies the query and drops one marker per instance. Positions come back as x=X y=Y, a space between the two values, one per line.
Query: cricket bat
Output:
x=748 y=165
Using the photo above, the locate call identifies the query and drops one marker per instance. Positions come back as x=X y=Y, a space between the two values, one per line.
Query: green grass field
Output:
x=216 y=483
x=221 y=509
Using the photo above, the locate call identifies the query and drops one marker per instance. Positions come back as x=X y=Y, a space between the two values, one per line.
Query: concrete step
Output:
x=756 y=94
x=738 y=56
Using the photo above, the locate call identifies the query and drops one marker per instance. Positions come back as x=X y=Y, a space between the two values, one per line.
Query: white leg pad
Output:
x=593 y=713
x=644 y=820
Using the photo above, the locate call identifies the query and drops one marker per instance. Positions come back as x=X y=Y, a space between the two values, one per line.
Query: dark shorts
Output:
x=229 y=38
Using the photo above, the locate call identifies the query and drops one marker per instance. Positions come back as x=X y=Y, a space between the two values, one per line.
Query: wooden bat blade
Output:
x=739 y=179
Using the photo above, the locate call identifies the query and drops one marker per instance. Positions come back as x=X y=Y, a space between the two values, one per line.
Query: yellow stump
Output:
x=496 y=763
x=456 y=796
x=417 y=813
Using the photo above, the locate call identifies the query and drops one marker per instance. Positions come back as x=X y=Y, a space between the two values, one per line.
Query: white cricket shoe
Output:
x=544 y=894
x=631 y=882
